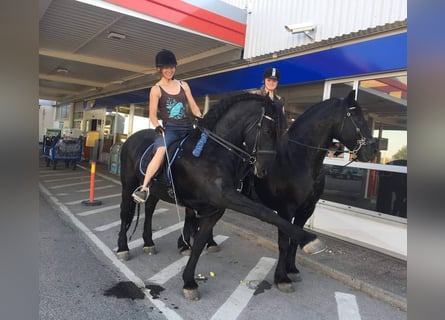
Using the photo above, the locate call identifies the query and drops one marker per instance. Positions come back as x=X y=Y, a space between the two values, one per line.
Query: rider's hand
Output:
x=160 y=130
x=197 y=121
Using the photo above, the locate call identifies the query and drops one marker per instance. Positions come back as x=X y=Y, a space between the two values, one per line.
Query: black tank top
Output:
x=172 y=108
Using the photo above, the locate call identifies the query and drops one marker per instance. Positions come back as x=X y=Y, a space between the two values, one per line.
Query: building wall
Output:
x=46 y=120
x=266 y=20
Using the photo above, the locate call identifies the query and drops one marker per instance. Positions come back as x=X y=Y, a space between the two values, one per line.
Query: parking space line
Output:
x=72 y=184
x=347 y=307
x=118 y=222
x=156 y=235
x=65 y=179
x=176 y=267
x=113 y=224
x=239 y=299
x=129 y=274
x=98 y=210
x=96 y=188
x=97 y=198
x=53 y=174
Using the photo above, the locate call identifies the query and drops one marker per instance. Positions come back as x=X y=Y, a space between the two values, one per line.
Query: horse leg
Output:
x=307 y=240
x=291 y=269
x=300 y=220
x=212 y=246
x=127 y=213
x=147 y=235
x=206 y=224
x=188 y=231
x=282 y=281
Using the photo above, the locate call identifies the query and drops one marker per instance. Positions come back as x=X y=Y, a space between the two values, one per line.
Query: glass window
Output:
x=380 y=186
x=63 y=112
x=385 y=101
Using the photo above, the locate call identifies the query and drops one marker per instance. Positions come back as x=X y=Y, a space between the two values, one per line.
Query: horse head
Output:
x=354 y=132
x=270 y=137
x=251 y=122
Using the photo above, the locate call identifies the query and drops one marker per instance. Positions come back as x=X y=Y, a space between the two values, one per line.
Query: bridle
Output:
x=246 y=157
x=360 y=142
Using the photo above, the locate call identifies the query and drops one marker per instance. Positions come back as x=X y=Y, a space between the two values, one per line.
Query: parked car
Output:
x=348 y=173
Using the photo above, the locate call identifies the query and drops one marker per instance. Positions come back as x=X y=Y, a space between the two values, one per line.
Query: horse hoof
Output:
x=123 y=255
x=150 y=250
x=314 y=247
x=295 y=277
x=186 y=253
x=213 y=249
x=190 y=294
x=285 y=287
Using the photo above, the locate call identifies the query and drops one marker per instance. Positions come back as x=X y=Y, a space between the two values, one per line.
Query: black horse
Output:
x=243 y=128
x=296 y=180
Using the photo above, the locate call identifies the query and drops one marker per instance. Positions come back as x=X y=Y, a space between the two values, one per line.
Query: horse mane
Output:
x=218 y=110
x=302 y=118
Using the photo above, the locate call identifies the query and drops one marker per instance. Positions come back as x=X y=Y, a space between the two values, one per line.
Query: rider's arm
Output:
x=155 y=94
x=191 y=101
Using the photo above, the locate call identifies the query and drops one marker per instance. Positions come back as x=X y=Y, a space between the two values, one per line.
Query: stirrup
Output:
x=140 y=196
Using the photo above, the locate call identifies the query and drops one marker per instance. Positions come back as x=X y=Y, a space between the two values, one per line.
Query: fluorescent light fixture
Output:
x=62 y=70
x=116 y=36
x=300 y=27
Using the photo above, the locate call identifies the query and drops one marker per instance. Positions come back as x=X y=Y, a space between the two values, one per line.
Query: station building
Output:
x=323 y=49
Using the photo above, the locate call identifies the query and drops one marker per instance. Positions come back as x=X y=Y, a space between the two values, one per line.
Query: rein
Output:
x=244 y=155
x=360 y=142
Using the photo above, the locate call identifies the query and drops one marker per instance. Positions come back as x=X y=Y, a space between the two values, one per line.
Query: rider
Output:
x=271 y=77
x=170 y=97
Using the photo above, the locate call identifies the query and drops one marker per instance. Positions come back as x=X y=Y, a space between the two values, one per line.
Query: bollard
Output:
x=91 y=201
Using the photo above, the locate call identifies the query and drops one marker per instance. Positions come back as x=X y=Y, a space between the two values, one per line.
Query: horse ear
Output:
x=351 y=97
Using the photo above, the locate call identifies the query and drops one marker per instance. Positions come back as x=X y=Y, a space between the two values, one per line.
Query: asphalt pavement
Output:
x=381 y=276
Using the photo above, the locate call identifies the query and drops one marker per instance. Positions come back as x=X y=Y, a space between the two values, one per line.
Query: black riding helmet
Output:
x=165 y=58
x=272 y=73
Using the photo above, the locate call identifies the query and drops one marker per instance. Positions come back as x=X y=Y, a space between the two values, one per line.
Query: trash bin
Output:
x=115 y=158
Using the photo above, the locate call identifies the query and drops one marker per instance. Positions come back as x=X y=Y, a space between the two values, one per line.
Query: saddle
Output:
x=162 y=178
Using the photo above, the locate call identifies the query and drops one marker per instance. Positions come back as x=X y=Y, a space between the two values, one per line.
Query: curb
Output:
x=305 y=261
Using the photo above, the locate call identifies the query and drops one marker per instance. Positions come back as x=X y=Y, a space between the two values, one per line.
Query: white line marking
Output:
x=72 y=184
x=156 y=235
x=118 y=222
x=97 y=198
x=98 y=210
x=66 y=178
x=167 y=312
x=113 y=224
x=53 y=174
x=173 y=269
x=239 y=299
x=347 y=307
x=116 y=181
x=96 y=188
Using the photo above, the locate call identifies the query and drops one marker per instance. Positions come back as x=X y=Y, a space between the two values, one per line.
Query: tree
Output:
x=402 y=154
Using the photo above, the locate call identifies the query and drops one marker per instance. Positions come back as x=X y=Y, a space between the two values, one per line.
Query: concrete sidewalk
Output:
x=381 y=276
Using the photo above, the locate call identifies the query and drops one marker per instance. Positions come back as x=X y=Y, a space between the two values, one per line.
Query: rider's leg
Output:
x=141 y=195
x=153 y=167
